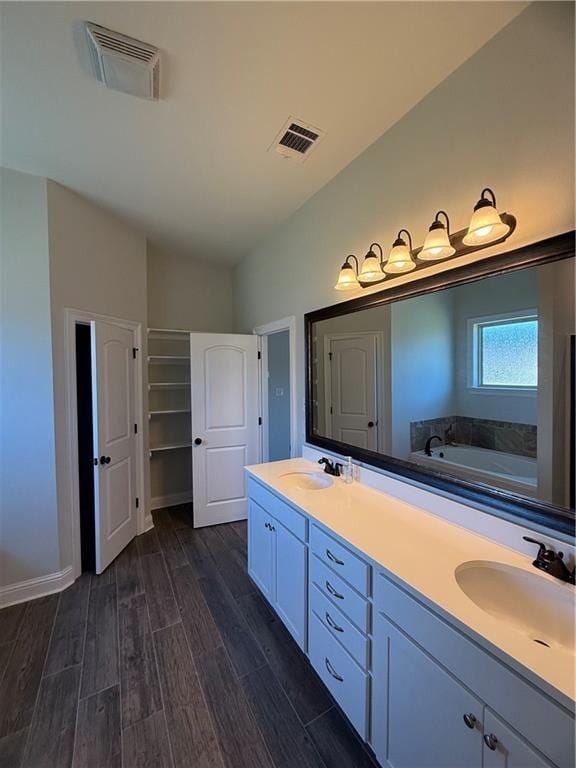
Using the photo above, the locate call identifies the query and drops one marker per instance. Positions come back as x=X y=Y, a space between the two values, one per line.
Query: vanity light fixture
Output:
x=437 y=244
x=371 y=271
x=486 y=225
x=348 y=277
x=400 y=258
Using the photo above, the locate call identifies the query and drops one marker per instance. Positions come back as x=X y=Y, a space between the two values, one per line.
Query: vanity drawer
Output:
x=337 y=623
x=346 y=564
x=340 y=674
x=285 y=514
x=353 y=605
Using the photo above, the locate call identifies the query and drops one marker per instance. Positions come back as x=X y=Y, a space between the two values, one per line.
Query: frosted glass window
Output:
x=508 y=353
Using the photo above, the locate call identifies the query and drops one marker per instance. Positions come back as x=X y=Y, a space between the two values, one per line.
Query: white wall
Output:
x=188 y=293
x=505 y=118
x=29 y=542
x=97 y=264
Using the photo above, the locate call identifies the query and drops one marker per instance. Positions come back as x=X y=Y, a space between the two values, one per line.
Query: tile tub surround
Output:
x=505 y=436
x=369 y=520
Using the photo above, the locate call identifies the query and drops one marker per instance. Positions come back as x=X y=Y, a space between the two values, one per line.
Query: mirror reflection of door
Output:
x=351 y=378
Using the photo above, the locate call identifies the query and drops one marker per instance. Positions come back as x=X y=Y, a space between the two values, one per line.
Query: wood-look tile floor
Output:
x=170 y=658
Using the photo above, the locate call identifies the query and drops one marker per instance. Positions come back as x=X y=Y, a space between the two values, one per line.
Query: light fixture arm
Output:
x=346 y=262
x=370 y=251
x=445 y=215
x=487 y=192
x=409 y=239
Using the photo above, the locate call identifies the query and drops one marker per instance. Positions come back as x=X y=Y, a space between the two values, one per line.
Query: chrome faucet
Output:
x=427 y=447
x=329 y=467
x=551 y=562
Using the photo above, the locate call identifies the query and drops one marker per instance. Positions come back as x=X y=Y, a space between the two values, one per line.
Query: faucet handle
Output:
x=542 y=548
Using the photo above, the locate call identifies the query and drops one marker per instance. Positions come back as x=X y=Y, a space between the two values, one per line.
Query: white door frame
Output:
x=285 y=324
x=71 y=318
x=382 y=400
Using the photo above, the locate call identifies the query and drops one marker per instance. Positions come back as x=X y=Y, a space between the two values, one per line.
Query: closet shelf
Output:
x=168 y=384
x=168 y=411
x=168 y=359
x=174 y=447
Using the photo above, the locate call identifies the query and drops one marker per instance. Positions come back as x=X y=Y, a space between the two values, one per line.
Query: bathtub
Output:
x=505 y=470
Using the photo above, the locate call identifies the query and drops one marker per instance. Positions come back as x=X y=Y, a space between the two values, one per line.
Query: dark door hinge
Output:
x=134 y=351
x=137 y=502
x=259 y=421
x=259 y=355
x=135 y=429
x=329 y=355
x=331 y=409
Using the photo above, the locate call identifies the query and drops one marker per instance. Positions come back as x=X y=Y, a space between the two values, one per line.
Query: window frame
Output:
x=474 y=353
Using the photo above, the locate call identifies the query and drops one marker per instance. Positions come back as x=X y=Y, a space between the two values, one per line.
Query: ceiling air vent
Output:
x=123 y=63
x=297 y=140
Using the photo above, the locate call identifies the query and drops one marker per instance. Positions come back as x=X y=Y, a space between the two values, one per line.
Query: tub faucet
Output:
x=551 y=562
x=427 y=447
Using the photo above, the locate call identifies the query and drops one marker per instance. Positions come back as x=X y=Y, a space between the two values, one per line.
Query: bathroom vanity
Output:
x=442 y=647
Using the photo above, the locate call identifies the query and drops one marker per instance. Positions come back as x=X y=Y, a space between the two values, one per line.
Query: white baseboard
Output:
x=22 y=591
x=148 y=523
x=171 y=501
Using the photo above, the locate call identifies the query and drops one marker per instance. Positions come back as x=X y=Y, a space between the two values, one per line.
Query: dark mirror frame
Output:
x=535 y=511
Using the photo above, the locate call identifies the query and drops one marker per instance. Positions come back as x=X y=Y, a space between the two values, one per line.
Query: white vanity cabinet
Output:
x=277 y=560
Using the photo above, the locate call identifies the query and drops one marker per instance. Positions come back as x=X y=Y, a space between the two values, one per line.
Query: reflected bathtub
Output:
x=504 y=470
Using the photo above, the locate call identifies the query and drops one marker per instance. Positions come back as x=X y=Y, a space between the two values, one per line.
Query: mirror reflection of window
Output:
x=471 y=381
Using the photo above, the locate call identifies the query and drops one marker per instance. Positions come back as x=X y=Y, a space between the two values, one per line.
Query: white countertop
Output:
x=423 y=552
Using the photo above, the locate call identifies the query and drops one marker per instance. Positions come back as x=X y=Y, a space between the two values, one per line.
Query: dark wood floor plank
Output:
x=12 y=749
x=240 y=740
x=286 y=738
x=100 y=665
x=51 y=740
x=106 y=578
x=199 y=625
x=230 y=564
x=189 y=724
x=171 y=548
x=129 y=573
x=241 y=528
x=303 y=687
x=162 y=518
x=232 y=539
x=10 y=620
x=182 y=516
x=148 y=543
x=159 y=594
x=337 y=743
x=138 y=674
x=5 y=651
x=240 y=643
x=197 y=554
x=145 y=744
x=98 y=736
x=67 y=643
x=24 y=671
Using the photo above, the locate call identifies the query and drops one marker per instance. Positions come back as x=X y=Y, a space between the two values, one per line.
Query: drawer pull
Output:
x=333 y=592
x=331 y=623
x=334 y=559
x=470 y=720
x=334 y=674
x=491 y=741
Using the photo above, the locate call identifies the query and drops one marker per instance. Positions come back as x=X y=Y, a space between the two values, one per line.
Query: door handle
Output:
x=370 y=424
x=198 y=441
x=105 y=459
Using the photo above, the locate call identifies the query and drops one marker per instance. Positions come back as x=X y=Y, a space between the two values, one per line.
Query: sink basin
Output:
x=528 y=603
x=307 y=481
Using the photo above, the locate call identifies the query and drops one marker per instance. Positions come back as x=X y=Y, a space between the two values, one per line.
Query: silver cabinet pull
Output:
x=334 y=558
x=333 y=592
x=331 y=623
x=469 y=719
x=491 y=741
x=334 y=674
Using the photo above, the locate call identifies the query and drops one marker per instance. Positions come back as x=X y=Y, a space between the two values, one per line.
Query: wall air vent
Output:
x=297 y=139
x=124 y=63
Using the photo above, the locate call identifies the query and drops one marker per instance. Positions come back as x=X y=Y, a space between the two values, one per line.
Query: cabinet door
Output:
x=419 y=708
x=261 y=549
x=291 y=579
x=503 y=748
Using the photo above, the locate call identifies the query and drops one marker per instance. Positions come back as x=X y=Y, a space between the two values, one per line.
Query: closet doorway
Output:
x=277 y=389
x=104 y=413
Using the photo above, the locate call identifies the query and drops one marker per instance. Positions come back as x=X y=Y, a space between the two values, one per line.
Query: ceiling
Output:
x=193 y=171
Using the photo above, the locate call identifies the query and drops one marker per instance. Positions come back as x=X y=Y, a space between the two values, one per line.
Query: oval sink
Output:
x=528 y=603
x=307 y=481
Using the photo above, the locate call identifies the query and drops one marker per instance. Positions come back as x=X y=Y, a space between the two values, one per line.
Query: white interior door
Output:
x=114 y=441
x=225 y=431
x=352 y=374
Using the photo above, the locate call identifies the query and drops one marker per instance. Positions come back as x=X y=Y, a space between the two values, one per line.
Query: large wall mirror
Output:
x=464 y=381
